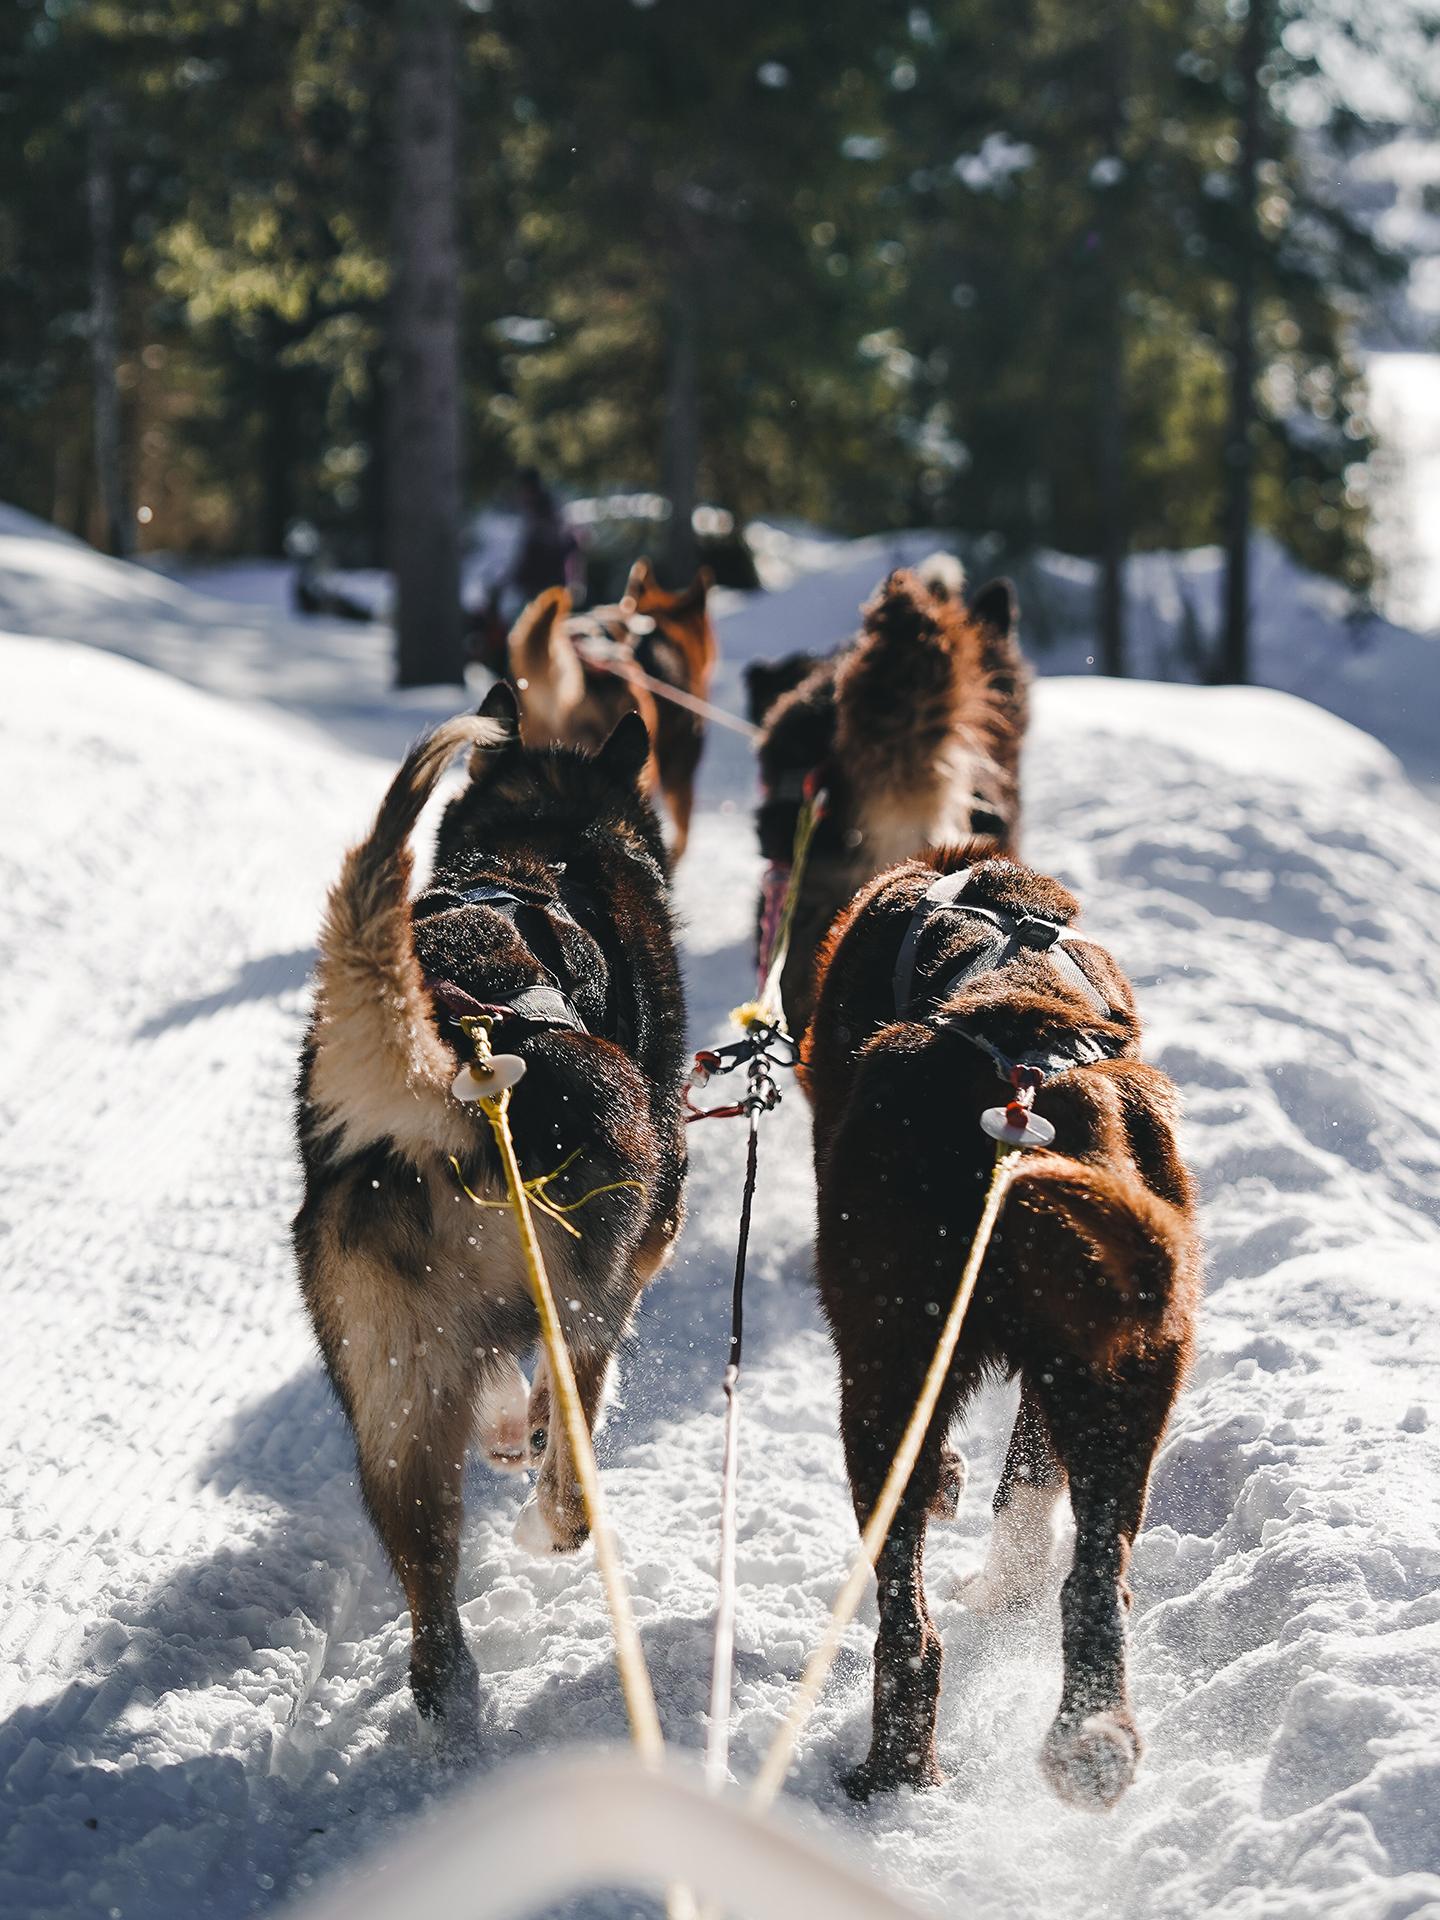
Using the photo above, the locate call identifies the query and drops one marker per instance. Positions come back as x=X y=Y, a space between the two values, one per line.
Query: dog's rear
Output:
x=419 y=1301
x=915 y=733
x=925 y=736
x=1088 y=1291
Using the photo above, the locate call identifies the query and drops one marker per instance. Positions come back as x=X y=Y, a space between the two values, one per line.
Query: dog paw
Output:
x=537 y=1532
x=953 y=1474
x=1090 y=1762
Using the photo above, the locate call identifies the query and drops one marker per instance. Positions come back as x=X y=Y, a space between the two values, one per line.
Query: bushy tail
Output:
x=378 y=1061
x=896 y=688
x=943 y=575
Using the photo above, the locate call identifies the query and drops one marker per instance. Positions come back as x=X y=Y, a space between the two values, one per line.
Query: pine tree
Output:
x=423 y=452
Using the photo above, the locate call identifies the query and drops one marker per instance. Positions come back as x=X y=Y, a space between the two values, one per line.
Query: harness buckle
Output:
x=1031 y=930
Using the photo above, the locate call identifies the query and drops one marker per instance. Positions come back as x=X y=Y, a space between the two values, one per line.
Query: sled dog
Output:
x=946 y=977
x=914 y=733
x=576 y=677
x=548 y=913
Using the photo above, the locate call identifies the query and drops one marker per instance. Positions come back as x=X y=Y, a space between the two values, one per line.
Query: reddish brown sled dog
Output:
x=931 y=992
x=914 y=731
x=548 y=910
x=577 y=676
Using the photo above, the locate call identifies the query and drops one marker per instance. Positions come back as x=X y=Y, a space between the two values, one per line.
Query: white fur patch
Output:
x=943 y=574
x=502 y=1417
x=1020 y=1554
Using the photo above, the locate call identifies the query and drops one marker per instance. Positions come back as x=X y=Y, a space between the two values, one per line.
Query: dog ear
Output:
x=995 y=606
x=759 y=677
x=697 y=592
x=625 y=753
x=642 y=579
x=501 y=703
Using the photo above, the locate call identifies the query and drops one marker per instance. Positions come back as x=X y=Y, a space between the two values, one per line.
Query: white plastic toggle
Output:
x=500 y=1071
x=1033 y=1131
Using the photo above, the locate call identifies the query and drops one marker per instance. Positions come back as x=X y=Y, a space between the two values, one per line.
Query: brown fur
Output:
x=565 y=700
x=682 y=652
x=1089 y=1290
x=915 y=732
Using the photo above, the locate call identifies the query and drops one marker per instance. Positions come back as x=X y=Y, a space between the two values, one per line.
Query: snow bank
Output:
x=205 y=1706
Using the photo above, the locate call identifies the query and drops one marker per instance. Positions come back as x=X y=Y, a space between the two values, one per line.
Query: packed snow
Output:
x=205 y=1707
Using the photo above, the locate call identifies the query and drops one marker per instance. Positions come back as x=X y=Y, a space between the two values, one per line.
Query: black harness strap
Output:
x=1014 y=934
x=1019 y=933
x=540 y=1008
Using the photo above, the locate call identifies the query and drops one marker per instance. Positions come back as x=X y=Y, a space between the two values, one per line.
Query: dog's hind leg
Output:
x=1022 y=1538
x=908 y=1653
x=1106 y=1431
x=411 y=1398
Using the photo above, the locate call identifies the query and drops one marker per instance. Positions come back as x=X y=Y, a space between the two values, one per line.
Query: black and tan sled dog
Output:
x=914 y=732
x=947 y=976
x=548 y=910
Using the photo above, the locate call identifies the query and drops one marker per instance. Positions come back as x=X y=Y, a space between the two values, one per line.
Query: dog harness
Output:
x=1014 y=934
x=538 y=1009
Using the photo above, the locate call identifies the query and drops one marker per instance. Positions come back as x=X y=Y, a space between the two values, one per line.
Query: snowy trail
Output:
x=205 y=1705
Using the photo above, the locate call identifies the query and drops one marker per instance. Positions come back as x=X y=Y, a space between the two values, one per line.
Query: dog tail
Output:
x=377 y=1057
x=942 y=575
x=895 y=692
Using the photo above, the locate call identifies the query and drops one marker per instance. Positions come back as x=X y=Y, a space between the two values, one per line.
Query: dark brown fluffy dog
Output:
x=549 y=907
x=577 y=674
x=1088 y=1291
x=914 y=732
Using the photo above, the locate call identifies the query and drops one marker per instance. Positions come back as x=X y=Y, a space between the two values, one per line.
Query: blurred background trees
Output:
x=1055 y=275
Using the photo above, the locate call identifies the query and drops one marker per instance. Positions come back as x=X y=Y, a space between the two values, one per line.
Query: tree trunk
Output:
x=1113 y=650
x=1234 y=662
x=423 y=465
x=278 y=449
x=105 y=326
x=1114 y=533
x=681 y=462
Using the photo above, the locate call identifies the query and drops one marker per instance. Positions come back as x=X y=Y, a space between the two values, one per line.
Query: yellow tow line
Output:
x=771 y=1777
x=629 y=1654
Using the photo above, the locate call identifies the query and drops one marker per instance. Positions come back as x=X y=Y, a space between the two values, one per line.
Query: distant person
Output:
x=546 y=555
x=547 y=550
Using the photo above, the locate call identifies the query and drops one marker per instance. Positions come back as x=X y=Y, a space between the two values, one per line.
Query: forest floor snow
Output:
x=205 y=1706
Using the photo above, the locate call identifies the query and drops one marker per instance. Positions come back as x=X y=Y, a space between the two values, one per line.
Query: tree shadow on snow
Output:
x=262 y=979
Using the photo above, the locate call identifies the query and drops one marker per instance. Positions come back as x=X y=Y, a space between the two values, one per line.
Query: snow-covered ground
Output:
x=205 y=1707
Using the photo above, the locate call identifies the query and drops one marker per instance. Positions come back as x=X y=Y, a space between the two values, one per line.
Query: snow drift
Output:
x=205 y=1707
